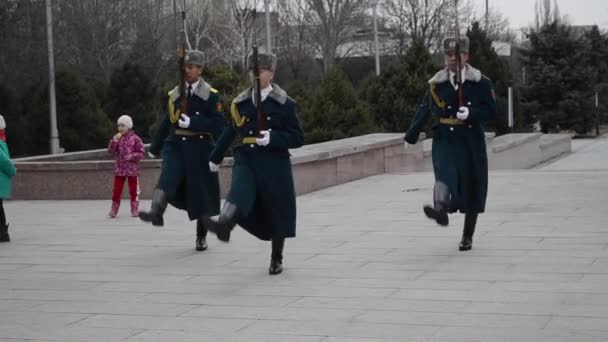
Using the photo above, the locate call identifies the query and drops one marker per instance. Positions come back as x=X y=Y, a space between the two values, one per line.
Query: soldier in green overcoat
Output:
x=262 y=197
x=460 y=161
x=186 y=140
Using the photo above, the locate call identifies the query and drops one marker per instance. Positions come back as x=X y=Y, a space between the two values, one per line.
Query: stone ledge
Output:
x=428 y=143
x=315 y=166
x=547 y=140
x=512 y=140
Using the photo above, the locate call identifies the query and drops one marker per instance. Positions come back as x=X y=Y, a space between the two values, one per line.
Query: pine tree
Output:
x=483 y=57
x=82 y=124
x=597 y=58
x=335 y=111
x=393 y=96
x=131 y=92
x=558 y=92
x=9 y=108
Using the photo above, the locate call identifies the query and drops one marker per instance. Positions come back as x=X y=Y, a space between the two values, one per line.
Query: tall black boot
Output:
x=276 y=259
x=201 y=235
x=439 y=210
x=4 y=237
x=157 y=209
x=470 y=220
x=223 y=224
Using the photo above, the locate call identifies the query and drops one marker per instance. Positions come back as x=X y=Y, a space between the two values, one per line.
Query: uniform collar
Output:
x=469 y=73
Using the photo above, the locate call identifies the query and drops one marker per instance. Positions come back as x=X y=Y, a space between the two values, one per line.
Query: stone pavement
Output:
x=367 y=266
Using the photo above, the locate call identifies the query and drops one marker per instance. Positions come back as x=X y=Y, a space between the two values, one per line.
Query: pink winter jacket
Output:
x=129 y=150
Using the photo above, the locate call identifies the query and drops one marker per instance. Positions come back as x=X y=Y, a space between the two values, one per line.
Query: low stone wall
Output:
x=555 y=145
x=315 y=166
x=516 y=151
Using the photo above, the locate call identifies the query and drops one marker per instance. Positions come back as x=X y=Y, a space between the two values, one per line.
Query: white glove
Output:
x=265 y=139
x=151 y=156
x=184 y=121
x=463 y=113
x=213 y=167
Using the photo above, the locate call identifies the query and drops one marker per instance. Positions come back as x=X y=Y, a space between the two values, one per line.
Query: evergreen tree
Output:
x=597 y=58
x=335 y=111
x=559 y=88
x=81 y=123
x=483 y=57
x=131 y=92
x=228 y=81
x=9 y=108
x=394 y=95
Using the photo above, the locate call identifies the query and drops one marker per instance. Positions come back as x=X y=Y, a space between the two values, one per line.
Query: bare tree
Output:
x=498 y=26
x=96 y=34
x=199 y=22
x=295 y=43
x=232 y=35
x=425 y=20
x=333 y=22
x=545 y=13
x=154 y=40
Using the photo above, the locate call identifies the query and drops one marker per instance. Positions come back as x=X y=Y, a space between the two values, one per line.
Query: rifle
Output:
x=256 y=82
x=458 y=59
x=182 y=63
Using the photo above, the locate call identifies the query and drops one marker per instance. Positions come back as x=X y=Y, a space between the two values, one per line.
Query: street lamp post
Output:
x=376 y=44
x=54 y=140
x=268 y=31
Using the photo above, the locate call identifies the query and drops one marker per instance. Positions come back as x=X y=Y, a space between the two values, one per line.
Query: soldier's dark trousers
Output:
x=201 y=235
x=225 y=222
x=441 y=204
x=276 y=259
x=4 y=237
x=470 y=221
x=157 y=208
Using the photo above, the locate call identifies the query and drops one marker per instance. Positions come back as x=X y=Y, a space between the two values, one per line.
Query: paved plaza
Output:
x=366 y=266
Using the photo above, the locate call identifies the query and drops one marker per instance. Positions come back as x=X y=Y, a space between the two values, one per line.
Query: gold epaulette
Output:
x=239 y=120
x=213 y=90
x=436 y=98
x=174 y=113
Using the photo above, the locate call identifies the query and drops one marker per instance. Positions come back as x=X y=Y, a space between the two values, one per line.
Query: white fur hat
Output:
x=126 y=120
x=2 y=123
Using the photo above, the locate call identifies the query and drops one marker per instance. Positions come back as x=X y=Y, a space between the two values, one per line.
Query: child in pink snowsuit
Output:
x=129 y=150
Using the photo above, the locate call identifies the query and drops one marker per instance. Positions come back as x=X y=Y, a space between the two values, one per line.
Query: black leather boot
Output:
x=439 y=210
x=201 y=236
x=4 y=237
x=470 y=220
x=223 y=224
x=157 y=209
x=276 y=259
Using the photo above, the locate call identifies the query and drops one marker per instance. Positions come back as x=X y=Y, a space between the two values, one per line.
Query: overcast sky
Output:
x=579 y=12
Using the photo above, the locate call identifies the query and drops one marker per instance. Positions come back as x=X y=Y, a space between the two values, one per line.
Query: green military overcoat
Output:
x=459 y=147
x=185 y=176
x=262 y=182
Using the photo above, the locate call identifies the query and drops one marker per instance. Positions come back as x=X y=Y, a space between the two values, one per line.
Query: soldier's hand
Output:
x=213 y=167
x=151 y=156
x=265 y=139
x=463 y=113
x=184 y=121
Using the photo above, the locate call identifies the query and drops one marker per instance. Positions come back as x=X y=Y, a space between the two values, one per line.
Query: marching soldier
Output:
x=262 y=196
x=186 y=140
x=459 y=154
